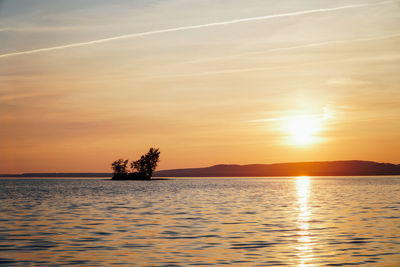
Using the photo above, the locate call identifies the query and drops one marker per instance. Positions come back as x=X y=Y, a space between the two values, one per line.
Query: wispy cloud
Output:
x=316 y=44
x=191 y=27
x=335 y=42
x=326 y=114
x=41 y=29
x=240 y=70
x=17 y=96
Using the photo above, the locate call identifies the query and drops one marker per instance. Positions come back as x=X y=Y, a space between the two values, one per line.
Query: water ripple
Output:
x=183 y=222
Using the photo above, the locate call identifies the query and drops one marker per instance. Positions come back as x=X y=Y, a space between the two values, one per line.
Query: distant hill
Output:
x=323 y=168
x=60 y=174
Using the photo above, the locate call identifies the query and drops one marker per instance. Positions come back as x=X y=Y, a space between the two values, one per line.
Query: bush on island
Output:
x=141 y=169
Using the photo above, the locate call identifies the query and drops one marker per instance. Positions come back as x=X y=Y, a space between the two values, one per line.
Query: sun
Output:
x=303 y=130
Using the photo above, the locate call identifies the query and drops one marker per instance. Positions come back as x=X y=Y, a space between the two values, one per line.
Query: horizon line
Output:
x=290 y=162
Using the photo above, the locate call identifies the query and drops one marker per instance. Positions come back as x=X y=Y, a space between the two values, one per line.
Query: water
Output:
x=251 y=222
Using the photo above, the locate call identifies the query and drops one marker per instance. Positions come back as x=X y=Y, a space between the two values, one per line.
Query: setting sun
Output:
x=303 y=129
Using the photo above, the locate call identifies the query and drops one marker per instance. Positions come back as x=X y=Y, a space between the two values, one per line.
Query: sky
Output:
x=83 y=83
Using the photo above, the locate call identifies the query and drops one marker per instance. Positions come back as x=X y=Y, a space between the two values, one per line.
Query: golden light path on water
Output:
x=304 y=248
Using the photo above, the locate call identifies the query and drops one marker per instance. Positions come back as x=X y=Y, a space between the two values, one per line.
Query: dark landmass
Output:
x=325 y=168
x=60 y=174
x=130 y=176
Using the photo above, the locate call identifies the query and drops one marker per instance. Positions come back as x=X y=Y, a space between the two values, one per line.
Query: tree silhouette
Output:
x=147 y=163
x=145 y=166
x=120 y=167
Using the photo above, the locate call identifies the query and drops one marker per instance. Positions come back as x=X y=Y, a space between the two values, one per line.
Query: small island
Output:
x=141 y=169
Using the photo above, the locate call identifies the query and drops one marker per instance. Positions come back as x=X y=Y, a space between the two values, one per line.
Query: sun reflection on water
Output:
x=304 y=249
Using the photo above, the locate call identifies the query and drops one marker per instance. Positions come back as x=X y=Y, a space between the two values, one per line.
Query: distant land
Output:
x=325 y=168
x=322 y=168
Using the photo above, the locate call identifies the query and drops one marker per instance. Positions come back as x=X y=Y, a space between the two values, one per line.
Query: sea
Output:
x=276 y=221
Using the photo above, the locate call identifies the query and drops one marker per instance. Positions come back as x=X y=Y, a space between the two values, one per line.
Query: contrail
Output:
x=317 y=44
x=192 y=27
x=240 y=70
x=334 y=42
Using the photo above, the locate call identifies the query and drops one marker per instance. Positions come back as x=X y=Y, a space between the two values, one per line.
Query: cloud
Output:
x=41 y=29
x=316 y=44
x=16 y=96
x=346 y=81
x=326 y=114
x=191 y=27
x=241 y=70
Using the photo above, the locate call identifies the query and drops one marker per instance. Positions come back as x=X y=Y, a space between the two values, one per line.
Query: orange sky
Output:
x=173 y=76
